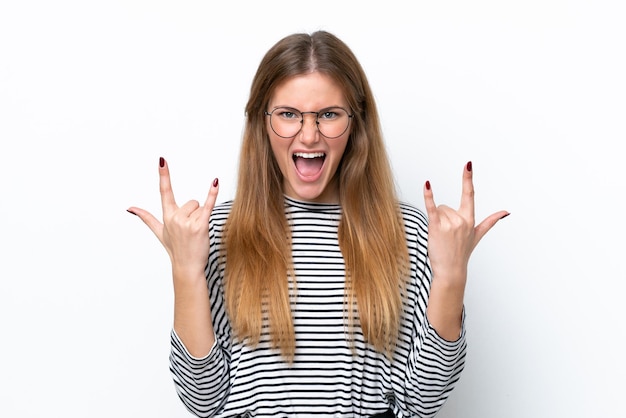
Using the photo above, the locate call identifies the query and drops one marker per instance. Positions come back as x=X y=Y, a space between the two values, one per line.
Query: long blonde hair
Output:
x=257 y=244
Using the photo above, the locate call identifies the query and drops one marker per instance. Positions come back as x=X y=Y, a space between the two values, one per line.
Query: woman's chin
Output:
x=317 y=193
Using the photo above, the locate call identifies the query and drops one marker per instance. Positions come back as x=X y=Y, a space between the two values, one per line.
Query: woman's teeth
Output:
x=308 y=154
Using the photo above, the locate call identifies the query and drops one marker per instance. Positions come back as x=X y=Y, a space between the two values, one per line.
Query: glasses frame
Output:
x=317 y=123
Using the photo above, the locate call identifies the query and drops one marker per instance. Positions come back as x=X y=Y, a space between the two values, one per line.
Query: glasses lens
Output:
x=286 y=122
x=331 y=122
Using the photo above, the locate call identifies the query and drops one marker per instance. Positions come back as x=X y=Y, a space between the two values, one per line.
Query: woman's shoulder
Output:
x=221 y=211
x=413 y=216
x=223 y=206
x=410 y=210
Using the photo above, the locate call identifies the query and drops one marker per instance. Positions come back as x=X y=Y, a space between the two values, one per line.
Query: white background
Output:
x=93 y=92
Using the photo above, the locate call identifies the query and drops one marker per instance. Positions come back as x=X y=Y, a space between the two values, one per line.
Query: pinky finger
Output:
x=429 y=201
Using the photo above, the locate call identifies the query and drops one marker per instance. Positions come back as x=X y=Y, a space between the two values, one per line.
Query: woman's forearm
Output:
x=445 y=308
x=192 y=313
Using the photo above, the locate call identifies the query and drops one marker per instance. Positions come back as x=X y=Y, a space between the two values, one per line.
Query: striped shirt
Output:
x=331 y=376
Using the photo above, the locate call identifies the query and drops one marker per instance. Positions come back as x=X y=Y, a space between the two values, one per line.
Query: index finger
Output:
x=165 y=187
x=467 y=194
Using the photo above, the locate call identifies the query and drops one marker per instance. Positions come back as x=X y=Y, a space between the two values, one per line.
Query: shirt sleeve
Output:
x=203 y=384
x=433 y=369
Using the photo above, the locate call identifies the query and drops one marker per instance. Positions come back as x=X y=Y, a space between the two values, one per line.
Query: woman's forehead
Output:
x=308 y=91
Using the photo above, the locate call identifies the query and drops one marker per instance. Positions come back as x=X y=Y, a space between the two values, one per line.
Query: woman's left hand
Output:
x=452 y=236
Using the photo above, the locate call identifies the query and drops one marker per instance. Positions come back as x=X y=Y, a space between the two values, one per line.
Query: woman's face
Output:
x=308 y=160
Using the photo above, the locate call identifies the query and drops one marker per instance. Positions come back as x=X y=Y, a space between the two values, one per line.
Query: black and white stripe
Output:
x=326 y=379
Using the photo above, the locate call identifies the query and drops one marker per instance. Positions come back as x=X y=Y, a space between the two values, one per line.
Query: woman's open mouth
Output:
x=309 y=164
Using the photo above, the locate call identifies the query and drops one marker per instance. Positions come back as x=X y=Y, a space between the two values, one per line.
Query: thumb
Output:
x=153 y=223
x=482 y=228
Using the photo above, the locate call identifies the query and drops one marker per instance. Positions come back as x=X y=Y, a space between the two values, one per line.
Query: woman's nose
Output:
x=309 y=131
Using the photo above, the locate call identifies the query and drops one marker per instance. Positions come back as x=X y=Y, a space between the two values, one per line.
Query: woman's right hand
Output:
x=185 y=235
x=185 y=230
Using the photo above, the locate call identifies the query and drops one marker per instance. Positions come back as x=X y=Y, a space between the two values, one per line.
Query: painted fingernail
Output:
x=131 y=212
x=216 y=182
x=427 y=185
x=469 y=166
x=505 y=215
x=161 y=162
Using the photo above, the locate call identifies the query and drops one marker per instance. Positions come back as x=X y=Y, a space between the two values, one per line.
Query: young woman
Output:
x=315 y=292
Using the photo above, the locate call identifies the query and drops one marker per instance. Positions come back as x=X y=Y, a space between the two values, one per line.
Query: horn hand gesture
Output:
x=452 y=236
x=184 y=233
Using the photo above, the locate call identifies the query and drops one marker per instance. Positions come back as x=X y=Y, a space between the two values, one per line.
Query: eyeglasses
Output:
x=287 y=122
